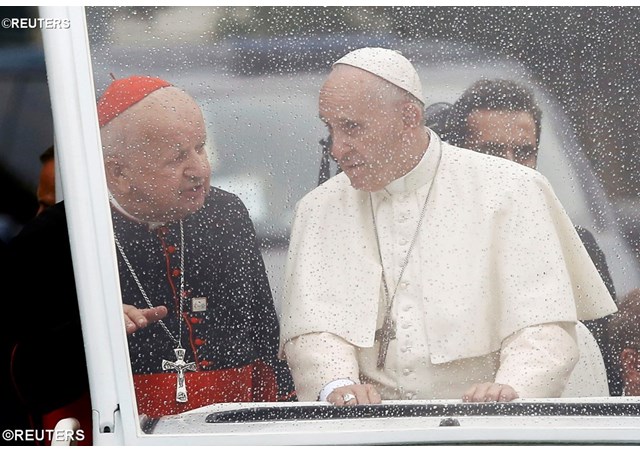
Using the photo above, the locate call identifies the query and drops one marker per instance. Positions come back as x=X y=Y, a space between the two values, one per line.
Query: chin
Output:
x=362 y=185
x=365 y=182
x=194 y=200
x=193 y=207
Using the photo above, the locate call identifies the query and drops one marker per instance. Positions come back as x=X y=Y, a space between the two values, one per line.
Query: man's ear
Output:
x=116 y=173
x=412 y=115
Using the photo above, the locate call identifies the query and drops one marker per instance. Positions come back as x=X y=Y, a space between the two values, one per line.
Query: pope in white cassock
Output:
x=426 y=271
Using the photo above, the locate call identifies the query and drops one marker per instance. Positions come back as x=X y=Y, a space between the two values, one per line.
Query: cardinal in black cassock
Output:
x=198 y=307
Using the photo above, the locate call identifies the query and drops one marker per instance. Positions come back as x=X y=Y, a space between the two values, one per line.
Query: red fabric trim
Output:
x=176 y=299
x=291 y=396
x=79 y=409
x=265 y=385
x=156 y=393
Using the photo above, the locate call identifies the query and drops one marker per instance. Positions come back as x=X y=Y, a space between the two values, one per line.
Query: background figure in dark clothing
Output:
x=45 y=349
x=624 y=336
x=501 y=118
x=46 y=192
x=38 y=260
x=18 y=204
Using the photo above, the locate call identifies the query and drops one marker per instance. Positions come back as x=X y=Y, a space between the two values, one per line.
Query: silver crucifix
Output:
x=179 y=366
x=384 y=335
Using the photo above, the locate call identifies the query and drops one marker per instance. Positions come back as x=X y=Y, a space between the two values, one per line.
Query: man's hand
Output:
x=489 y=392
x=135 y=318
x=363 y=393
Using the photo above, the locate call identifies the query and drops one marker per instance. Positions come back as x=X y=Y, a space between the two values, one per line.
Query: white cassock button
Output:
x=403 y=241
x=406 y=371
x=404 y=284
x=406 y=325
x=406 y=308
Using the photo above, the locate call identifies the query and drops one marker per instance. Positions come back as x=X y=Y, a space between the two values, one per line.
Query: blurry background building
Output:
x=586 y=56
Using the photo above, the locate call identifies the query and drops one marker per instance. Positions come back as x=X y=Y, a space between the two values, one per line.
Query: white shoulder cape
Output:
x=500 y=254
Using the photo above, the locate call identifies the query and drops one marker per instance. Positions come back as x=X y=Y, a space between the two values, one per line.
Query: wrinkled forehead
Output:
x=167 y=115
x=349 y=87
x=163 y=112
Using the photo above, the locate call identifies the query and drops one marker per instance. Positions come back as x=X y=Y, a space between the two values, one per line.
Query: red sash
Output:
x=156 y=393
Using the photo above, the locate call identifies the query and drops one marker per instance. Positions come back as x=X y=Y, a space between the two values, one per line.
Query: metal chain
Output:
x=406 y=259
x=144 y=293
x=389 y=303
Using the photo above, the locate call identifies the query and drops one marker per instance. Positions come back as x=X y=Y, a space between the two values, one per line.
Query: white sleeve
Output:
x=537 y=361
x=318 y=359
x=331 y=386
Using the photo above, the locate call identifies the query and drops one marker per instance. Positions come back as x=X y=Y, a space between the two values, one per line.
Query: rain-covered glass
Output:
x=247 y=124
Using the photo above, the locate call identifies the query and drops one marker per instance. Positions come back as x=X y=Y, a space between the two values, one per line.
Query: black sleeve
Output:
x=598 y=258
x=48 y=366
x=598 y=327
x=267 y=329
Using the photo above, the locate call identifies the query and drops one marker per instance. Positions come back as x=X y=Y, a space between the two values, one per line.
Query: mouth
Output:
x=350 y=165
x=193 y=191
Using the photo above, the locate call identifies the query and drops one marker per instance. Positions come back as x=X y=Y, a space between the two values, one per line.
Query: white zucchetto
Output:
x=387 y=64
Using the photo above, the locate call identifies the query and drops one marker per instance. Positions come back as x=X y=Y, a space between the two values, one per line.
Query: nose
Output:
x=338 y=146
x=197 y=165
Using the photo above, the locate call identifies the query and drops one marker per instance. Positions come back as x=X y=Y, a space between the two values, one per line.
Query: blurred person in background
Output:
x=43 y=357
x=46 y=191
x=18 y=204
x=624 y=335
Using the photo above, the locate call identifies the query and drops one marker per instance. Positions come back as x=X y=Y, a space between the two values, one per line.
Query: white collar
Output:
x=422 y=173
x=121 y=210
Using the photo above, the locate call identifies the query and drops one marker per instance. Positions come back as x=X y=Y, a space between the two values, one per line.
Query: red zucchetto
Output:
x=123 y=93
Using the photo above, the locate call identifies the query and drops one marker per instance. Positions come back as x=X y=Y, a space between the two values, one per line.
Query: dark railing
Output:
x=447 y=411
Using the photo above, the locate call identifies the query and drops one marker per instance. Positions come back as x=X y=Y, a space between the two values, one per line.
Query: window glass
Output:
x=211 y=138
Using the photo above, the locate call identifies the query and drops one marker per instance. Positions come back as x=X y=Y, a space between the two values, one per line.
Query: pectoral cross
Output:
x=179 y=366
x=384 y=335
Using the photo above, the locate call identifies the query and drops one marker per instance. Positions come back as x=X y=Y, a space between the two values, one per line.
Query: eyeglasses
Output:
x=520 y=153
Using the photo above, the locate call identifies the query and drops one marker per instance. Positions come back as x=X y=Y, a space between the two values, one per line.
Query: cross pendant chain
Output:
x=179 y=366
x=384 y=335
x=388 y=330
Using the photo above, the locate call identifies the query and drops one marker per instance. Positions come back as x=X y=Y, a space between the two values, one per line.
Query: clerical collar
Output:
x=422 y=173
x=121 y=210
